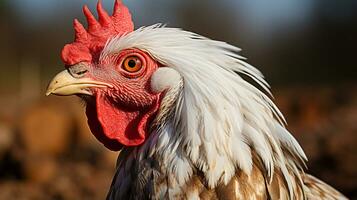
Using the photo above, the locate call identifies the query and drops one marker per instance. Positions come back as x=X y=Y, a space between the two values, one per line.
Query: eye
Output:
x=132 y=64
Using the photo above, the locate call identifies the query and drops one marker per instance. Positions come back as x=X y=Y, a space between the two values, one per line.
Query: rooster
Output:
x=187 y=125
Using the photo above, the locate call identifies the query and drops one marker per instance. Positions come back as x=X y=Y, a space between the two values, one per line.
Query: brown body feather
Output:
x=255 y=187
x=241 y=187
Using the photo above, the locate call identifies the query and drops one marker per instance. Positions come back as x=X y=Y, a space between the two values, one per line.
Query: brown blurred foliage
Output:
x=324 y=121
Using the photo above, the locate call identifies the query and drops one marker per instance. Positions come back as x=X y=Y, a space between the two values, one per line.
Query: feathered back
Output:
x=220 y=122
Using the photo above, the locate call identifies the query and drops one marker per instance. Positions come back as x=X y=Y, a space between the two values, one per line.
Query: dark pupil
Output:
x=132 y=63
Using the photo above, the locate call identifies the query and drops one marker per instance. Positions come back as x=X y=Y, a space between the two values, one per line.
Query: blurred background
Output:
x=306 y=49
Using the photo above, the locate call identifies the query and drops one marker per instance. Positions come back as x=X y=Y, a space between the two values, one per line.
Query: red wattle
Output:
x=115 y=125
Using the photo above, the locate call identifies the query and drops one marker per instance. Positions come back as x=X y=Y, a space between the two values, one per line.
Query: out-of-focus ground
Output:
x=306 y=49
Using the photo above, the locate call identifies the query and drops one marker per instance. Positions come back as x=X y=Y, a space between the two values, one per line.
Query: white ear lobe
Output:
x=165 y=78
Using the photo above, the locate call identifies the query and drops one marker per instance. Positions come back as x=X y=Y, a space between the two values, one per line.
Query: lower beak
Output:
x=65 y=84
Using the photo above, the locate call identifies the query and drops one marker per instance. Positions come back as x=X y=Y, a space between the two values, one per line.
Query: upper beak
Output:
x=66 y=84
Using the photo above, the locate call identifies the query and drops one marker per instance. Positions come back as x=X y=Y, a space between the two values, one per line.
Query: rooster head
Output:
x=120 y=102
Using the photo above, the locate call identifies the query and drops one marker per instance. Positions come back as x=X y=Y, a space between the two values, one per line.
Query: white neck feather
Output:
x=218 y=118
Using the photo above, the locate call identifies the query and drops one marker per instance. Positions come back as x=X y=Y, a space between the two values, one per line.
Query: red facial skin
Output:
x=121 y=115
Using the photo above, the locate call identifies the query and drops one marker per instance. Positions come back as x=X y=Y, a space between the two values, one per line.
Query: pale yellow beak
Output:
x=65 y=84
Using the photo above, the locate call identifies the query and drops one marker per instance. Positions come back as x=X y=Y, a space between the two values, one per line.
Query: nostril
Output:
x=82 y=72
x=78 y=71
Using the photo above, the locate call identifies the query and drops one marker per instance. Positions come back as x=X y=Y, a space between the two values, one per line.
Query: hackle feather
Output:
x=214 y=128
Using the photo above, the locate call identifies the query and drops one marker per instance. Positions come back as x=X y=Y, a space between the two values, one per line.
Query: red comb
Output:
x=89 y=42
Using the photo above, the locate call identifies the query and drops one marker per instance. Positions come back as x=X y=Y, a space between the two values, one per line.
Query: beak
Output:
x=65 y=84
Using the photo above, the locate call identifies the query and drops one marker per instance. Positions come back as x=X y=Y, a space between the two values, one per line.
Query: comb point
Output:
x=117 y=5
x=80 y=31
x=104 y=18
x=92 y=22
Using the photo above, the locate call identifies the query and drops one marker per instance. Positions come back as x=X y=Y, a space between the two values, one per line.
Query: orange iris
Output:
x=132 y=64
